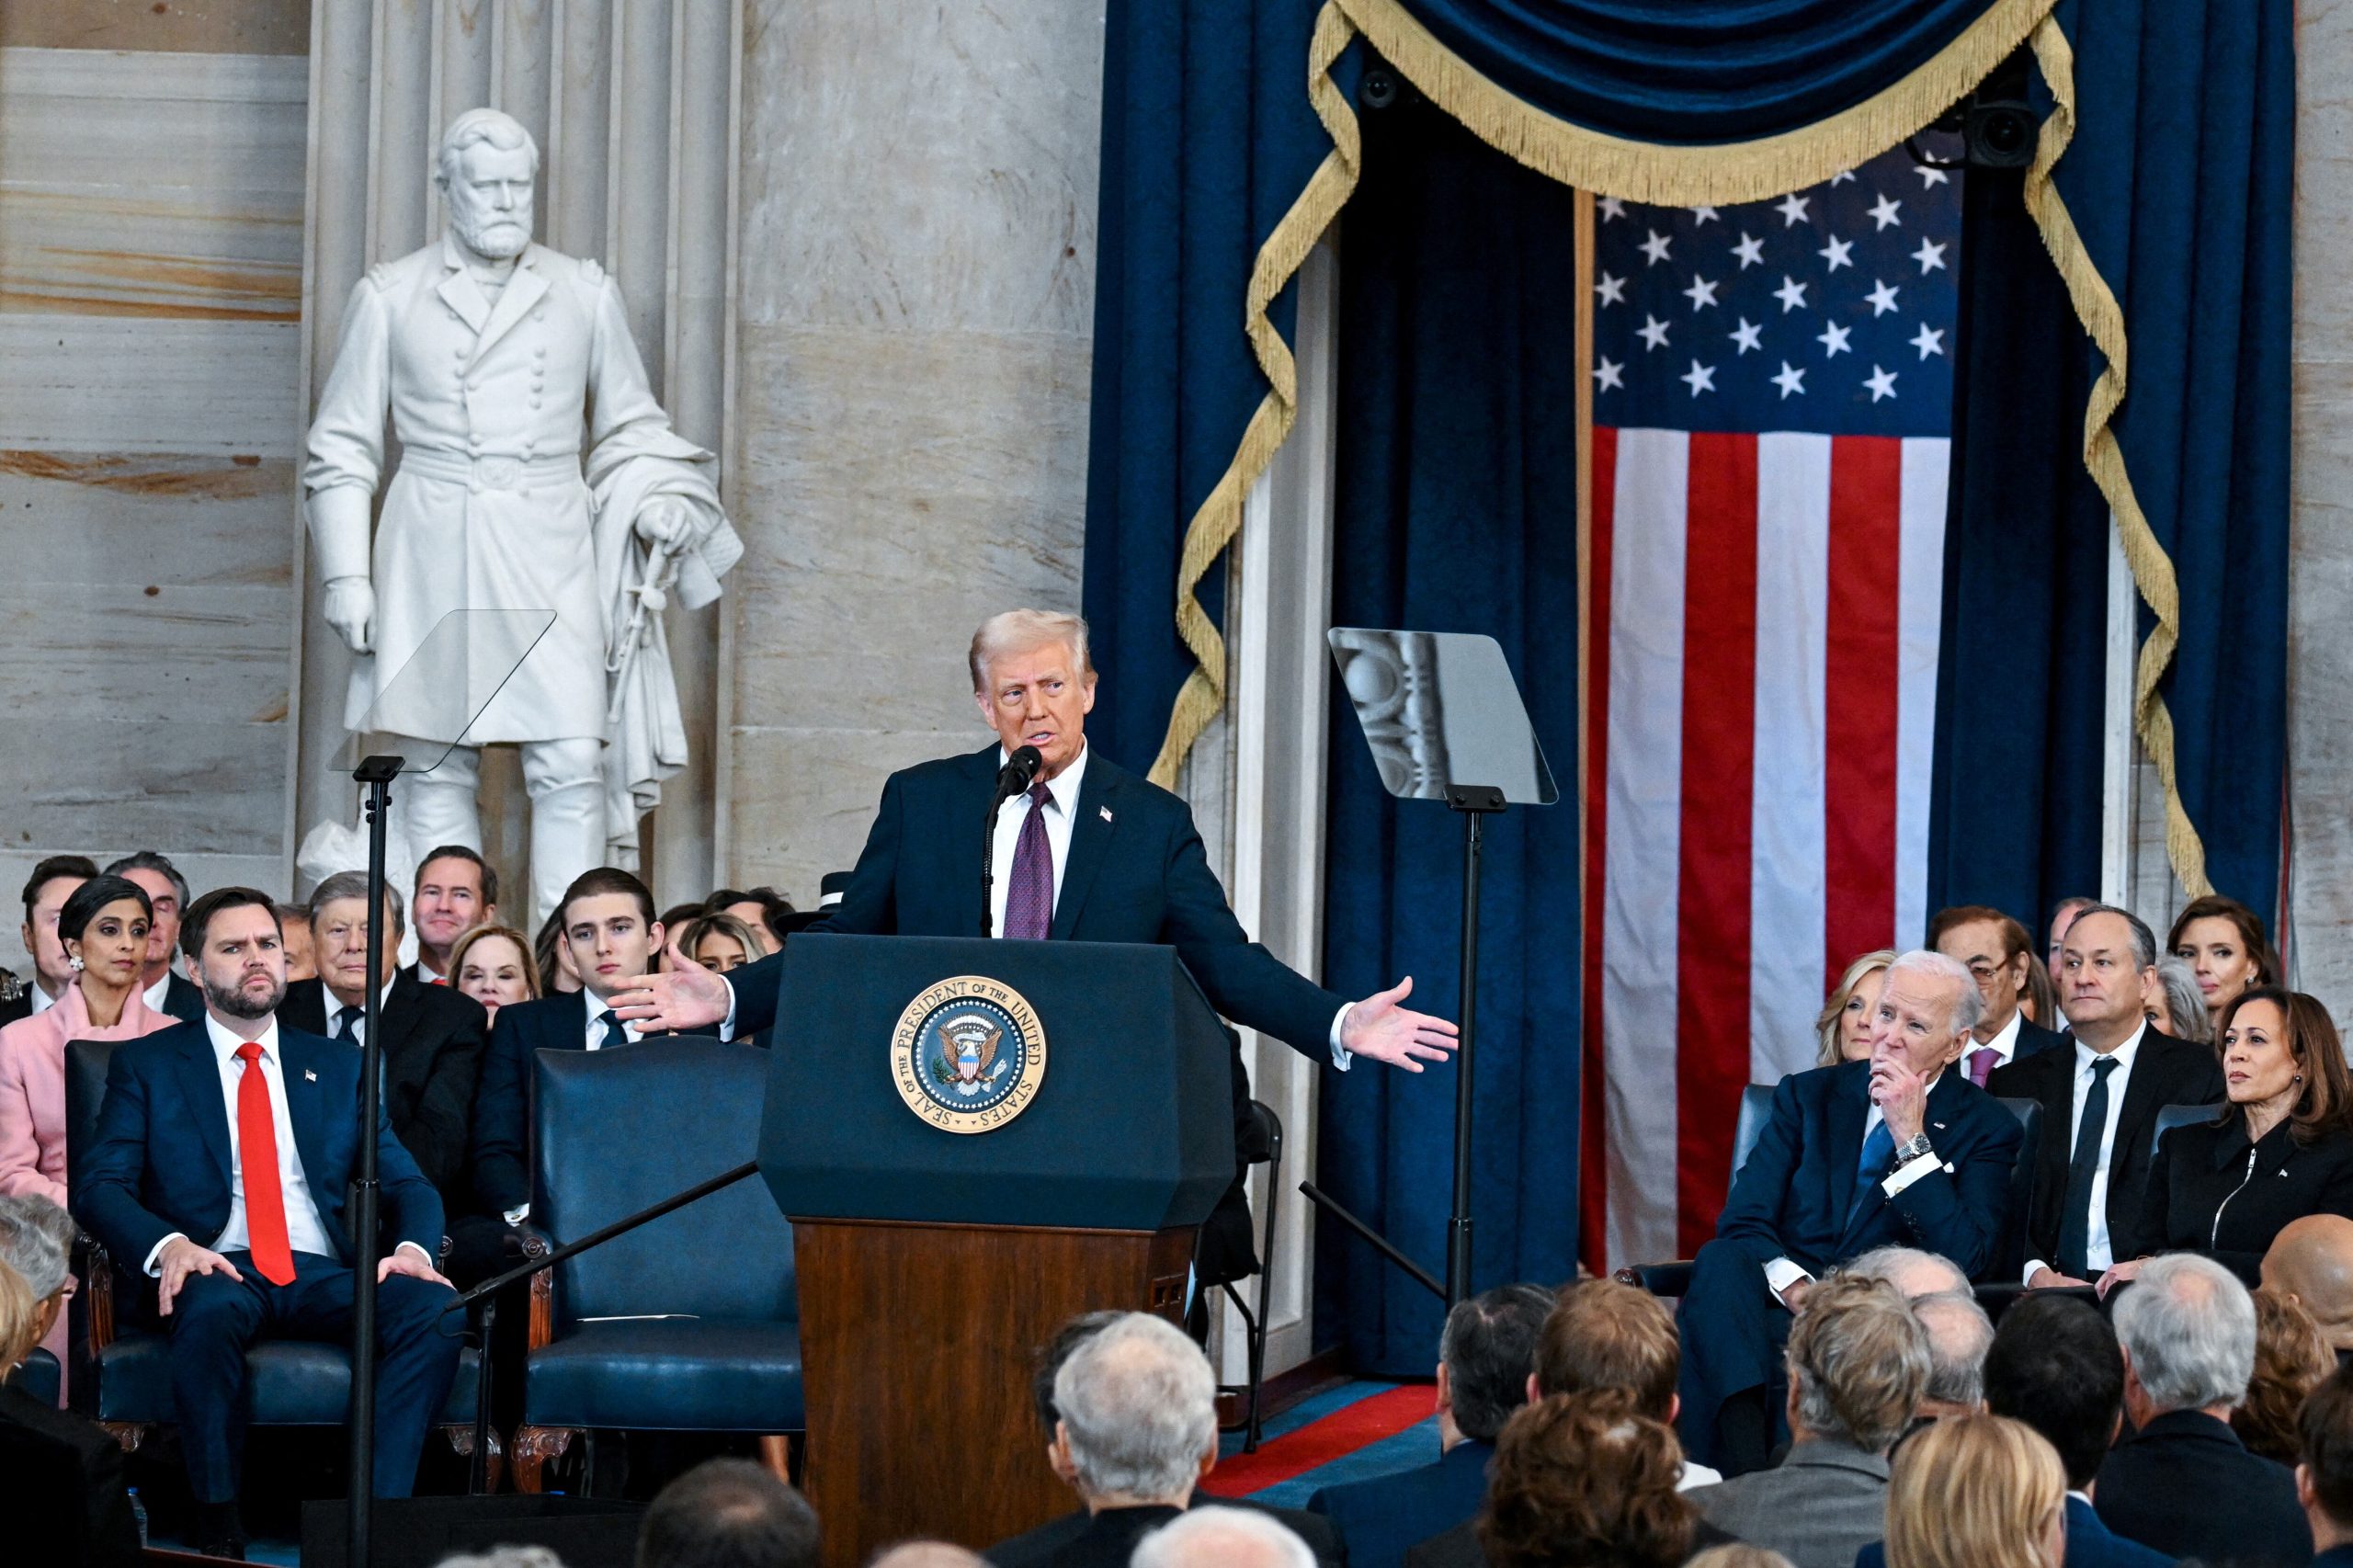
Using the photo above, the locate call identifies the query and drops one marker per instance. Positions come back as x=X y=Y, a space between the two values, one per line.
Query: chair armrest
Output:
x=1673 y=1278
x=532 y=1244
x=96 y=1271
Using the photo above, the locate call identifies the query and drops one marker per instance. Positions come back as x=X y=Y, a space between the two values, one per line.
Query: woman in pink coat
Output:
x=104 y=929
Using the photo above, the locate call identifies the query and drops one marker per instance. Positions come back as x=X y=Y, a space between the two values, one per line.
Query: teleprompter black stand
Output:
x=1445 y=723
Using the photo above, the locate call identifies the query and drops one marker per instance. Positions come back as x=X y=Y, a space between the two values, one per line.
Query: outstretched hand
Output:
x=1377 y=1026
x=684 y=996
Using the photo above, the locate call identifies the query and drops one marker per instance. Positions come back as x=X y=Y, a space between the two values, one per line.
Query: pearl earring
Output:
x=75 y=963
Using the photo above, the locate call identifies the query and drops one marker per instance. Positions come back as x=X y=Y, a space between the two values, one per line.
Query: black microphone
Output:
x=1019 y=771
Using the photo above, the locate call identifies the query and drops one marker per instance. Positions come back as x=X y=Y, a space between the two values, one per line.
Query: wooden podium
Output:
x=976 y=1140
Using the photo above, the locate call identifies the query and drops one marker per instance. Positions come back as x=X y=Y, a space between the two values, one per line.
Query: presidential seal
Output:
x=968 y=1054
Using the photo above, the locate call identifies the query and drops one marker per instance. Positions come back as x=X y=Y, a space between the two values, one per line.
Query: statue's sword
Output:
x=647 y=600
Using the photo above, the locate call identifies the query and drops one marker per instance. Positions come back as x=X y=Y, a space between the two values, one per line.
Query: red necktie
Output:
x=257 y=1153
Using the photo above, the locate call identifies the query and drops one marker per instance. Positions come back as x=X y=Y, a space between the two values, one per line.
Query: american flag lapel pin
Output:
x=1106 y=811
x=310 y=1076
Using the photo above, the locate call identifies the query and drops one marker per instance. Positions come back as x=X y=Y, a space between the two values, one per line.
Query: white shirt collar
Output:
x=598 y=1007
x=224 y=1044
x=1064 y=785
x=154 y=996
x=2006 y=1038
x=384 y=1000
x=2122 y=1055
x=43 y=1000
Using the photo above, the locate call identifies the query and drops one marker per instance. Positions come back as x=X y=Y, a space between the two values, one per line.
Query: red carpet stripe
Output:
x=1343 y=1432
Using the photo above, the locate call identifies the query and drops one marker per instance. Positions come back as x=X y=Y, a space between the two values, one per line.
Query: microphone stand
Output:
x=377 y=773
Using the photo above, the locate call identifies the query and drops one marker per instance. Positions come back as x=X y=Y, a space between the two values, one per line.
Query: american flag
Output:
x=1772 y=405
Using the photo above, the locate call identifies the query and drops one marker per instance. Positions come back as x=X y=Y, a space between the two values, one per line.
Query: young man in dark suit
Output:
x=2184 y=1484
x=1485 y=1352
x=434 y=1035
x=609 y=925
x=1898 y=1149
x=2324 y=1478
x=2100 y=1096
x=1993 y=948
x=52 y=883
x=224 y=1154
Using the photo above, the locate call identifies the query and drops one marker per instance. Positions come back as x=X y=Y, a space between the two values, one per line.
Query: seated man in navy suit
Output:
x=609 y=927
x=223 y=1154
x=1892 y=1149
x=1484 y=1357
x=1091 y=853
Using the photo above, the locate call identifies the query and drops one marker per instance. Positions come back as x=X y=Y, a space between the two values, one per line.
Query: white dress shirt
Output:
x=2005 y=1045
x=43 y=1000
x=2096 y=1255
x=359 y=1014
x=598 y=1007
x=1062 y=818
x=154 y=996
x=1784 y=1272
x=305 y=1230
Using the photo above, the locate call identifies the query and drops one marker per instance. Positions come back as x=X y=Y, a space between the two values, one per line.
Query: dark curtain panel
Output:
x=2021 y=681
x=1456 y=512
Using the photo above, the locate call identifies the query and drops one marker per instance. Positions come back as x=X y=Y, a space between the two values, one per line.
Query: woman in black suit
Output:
x=2281 y=1149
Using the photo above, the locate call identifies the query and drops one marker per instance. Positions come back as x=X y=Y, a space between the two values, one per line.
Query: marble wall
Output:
x=150 y=291
x=913 y=327
x=2320 y=600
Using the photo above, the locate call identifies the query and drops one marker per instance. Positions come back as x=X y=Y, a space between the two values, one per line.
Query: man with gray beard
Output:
x=220 y=1169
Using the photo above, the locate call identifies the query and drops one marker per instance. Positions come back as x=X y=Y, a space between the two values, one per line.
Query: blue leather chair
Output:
x=126 y=1383
x=690 y=1322
x=2172 y=1116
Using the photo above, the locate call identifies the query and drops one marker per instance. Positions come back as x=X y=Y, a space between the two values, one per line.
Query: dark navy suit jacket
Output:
x=1380 y=1519
x=2090 y=1544
x=1137 y=873
x=502 y=1142
x=160 y=1160
x=1797 y=1197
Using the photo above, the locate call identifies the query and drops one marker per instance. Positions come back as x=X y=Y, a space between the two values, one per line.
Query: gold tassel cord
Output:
x=2153 y=575
x=1683 y=176
x=1218 y=518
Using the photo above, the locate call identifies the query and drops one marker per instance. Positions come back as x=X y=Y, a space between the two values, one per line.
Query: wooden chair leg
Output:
x=776 y=1454
x=461 y=1438
x=129 y=1434
x=534 y=1446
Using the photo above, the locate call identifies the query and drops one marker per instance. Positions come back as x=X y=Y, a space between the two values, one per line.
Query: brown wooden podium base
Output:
x=917 y=1345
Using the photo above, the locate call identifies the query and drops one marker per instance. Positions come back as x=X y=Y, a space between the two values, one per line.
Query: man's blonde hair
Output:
x=1019 y=631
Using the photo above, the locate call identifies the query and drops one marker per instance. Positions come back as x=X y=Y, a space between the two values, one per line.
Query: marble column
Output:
x=915 y=299
x=633 y=104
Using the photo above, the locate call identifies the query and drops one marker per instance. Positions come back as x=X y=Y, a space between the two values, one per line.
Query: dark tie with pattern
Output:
x=1030 y=894
x=2076 y=1220
x=347 y=1026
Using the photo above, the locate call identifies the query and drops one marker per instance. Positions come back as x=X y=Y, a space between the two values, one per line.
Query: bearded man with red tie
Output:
x=223 y=1154
x=1088 y=852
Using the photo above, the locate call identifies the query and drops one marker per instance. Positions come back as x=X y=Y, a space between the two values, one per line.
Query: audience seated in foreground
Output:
x=1222 y=1538
x=1580 y=1481
x=1913 y=1272
x=1484 y=1354
x=2183 y=1483
x=61 y=1497
x=1135 y=1430
x=728 y=1513
x=1959 y=1336
x=2054 y=1364
x=1858 y=1361
x=2325 y=1475
x=2312 y=1262
x=1977 y=1492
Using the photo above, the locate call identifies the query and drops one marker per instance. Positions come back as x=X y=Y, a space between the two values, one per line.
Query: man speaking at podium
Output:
x=1083 y=851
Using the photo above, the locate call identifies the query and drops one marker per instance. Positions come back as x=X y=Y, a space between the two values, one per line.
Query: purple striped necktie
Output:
x=1029 y=896
x=1980 y=1064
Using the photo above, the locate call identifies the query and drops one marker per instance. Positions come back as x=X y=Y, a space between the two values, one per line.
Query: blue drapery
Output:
x=1219 y=162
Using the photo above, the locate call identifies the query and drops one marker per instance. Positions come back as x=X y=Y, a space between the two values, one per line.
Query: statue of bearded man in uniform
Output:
x=536 y=473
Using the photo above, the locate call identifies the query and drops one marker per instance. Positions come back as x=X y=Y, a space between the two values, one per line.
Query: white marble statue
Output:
x=537 y=472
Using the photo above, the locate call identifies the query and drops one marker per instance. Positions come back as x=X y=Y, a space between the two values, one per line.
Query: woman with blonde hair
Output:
x=494 y=965
x=1977 y=1492
x=1843 y=1030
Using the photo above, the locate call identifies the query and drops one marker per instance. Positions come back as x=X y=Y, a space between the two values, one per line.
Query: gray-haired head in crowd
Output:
x=1138 y=1413
x=2188 y=1330
x=37 y=1240
x=728 y=1513
x=1858 y=1361
x=928 y=1555
x=1968 y=1003
x=354 y=884
x=1959 y=1336
x=2186 y=1009
x=1913 y=1272
x=1485 y=1353
x=1222 y=1538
